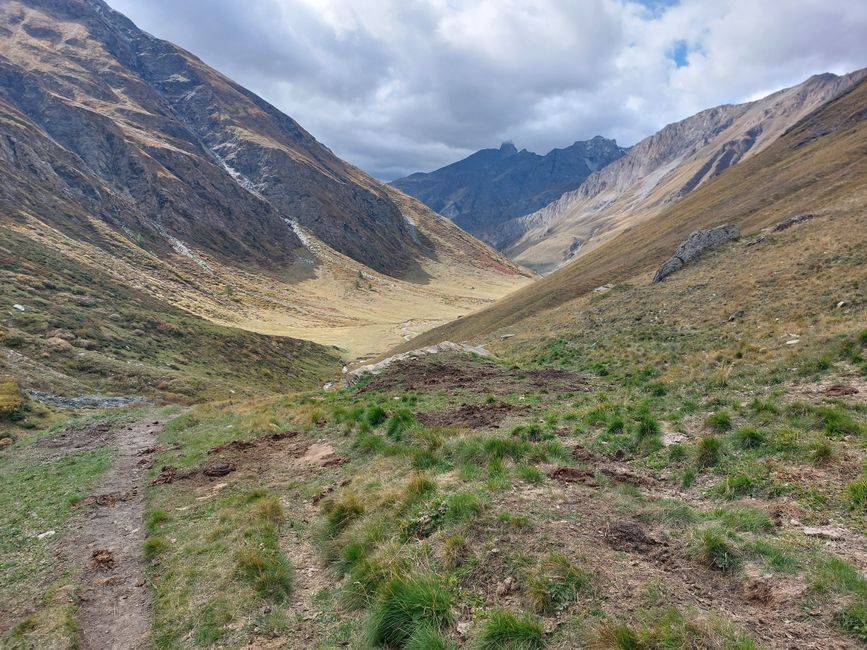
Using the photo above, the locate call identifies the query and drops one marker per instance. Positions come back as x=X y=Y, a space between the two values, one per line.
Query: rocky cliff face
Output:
x=659 y=170
x=494 y=185
x=98 y=118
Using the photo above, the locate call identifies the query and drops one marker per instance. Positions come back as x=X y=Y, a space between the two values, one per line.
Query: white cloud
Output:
x=401 y=85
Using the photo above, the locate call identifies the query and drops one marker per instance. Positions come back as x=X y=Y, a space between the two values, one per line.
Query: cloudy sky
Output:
x=397 y=86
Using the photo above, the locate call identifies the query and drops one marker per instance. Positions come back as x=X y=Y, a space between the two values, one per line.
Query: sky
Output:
x=397 y=86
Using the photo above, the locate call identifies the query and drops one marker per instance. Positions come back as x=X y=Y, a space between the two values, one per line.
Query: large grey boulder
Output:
x=696 y=245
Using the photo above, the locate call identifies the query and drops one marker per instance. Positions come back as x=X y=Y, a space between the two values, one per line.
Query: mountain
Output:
x=815 y=167
x=494 y=185
x=660 y=170
x=132 y=156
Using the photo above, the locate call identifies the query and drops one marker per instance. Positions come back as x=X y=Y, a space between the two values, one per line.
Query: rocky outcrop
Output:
x=99 y=119
x=694 y=246
x=491 y=186
x=354 y=376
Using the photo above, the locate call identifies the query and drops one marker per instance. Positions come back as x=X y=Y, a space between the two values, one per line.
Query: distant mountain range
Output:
x=660 y=170
x=491 y=186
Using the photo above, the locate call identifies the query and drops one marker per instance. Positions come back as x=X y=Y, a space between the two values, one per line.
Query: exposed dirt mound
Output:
x=471 y=416
x=573 y=475
x=630 y=536
x=839 y=390
x=455 y=373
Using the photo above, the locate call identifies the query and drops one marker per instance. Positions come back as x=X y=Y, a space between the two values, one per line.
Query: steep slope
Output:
x=817 y=166
x=494 y=185
x=137 y=158
x=660 y=170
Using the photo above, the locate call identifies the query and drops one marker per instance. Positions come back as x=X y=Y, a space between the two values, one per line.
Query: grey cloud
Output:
x=396 y=86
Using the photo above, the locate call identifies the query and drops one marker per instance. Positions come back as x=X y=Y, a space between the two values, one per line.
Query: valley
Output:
x=252 y=397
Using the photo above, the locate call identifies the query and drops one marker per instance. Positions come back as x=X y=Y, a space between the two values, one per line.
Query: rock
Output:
x=824 y=532
x=58 y=344
x=605 y=288
x=47 y=533
x=842 y=304
x=505 y=587
x=463 y=628
x=695 y=246
x=793 y=221
x=673 y=438
x=19 y=307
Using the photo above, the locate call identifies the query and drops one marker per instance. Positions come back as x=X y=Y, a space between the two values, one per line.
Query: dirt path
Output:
x=108 y=539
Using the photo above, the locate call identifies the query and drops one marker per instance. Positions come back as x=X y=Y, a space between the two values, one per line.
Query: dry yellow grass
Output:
x=10 y=396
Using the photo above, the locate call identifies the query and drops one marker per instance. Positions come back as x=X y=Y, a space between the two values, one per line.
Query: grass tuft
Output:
x=407 y=604
x=507 y=631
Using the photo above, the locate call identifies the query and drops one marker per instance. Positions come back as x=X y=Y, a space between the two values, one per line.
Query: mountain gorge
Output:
x=492 y=186
x=132 y=155
x=252 y=398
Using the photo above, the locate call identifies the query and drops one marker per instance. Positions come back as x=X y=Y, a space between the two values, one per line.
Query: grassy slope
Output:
x=84 y=333
x=826 y=174
x=700 y=437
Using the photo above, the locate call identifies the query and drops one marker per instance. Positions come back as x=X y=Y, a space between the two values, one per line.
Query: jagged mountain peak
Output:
x=494 y=185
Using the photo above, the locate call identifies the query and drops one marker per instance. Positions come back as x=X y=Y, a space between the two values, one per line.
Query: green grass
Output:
x=554 y=584
x=508 y=631
x=219 y=563
x=713 y=548
x=407 y=604
x=667 y=629
x=38 y=493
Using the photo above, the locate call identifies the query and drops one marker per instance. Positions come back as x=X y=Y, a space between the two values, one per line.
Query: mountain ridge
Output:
x=661 y=169
x=132 y=155
x=489 y=186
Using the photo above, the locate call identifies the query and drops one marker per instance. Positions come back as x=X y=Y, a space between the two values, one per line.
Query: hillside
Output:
x=135 y=158
x=491 y=186
x=816 y=167
x=659 y=171
x=672 y=465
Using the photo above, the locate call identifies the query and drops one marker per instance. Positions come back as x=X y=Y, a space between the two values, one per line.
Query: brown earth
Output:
x=107 y=538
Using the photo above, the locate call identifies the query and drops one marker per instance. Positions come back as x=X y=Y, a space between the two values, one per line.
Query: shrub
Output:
x=507 y=631
x=711 y=548
x=708 y=451
x=11 y=401
x=407 y=604
x=555 y=583
x=719 y=422
x=402 y=420
x=750 y=438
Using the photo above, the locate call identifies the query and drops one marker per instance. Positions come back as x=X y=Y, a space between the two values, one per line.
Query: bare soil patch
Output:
x=456 y=373
x=471 y=416
x=108 y=537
